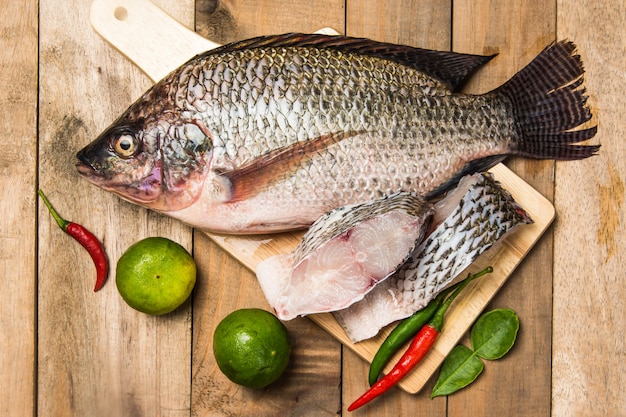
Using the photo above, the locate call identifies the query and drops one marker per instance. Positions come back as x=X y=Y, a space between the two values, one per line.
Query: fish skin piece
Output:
x=344 y=254
x=484 y=216
x=268 y=134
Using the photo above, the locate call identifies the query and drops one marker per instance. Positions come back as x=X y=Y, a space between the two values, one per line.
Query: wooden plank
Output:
x=590 y=237
x=18 y=124
x=517 y=31
x=228 y=20
x=426 y=25
x=402 y=22
x=311 y=385
x=97 y=356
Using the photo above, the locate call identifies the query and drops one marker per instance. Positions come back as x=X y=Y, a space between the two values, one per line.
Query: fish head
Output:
x=159 y=162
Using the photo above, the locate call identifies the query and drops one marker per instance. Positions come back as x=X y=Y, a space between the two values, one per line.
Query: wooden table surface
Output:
x=67 y=351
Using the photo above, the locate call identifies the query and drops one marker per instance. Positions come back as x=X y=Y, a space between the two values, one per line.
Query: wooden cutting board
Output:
x=157 y=44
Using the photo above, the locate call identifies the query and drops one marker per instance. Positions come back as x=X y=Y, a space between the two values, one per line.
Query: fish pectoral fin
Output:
x=255 y=176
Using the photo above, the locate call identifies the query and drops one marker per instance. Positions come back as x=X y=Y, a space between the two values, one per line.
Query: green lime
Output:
x=155 y=275
x=251 y=347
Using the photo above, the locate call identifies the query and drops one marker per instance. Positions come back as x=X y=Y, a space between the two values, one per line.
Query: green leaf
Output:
x=494 y=333
x=460 y=368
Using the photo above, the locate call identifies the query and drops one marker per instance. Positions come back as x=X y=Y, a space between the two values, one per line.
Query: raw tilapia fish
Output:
x=344 y=255
x=271 y=133
x=468 y=222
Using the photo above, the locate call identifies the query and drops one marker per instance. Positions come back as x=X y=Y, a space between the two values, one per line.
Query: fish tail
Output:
x=550 y=106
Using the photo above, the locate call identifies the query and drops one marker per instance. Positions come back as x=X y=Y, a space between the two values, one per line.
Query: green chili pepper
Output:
x=405 y=331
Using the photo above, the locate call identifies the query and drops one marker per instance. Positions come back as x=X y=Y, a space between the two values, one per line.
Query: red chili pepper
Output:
x=419 y=347
x=86 y=239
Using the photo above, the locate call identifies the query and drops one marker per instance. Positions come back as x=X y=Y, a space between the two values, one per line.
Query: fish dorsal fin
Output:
x=254 y=177
x=451 y=68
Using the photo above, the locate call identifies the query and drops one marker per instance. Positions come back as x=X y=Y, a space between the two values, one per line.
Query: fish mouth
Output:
x=91 y=174
x=124 y=191
x=87 y=170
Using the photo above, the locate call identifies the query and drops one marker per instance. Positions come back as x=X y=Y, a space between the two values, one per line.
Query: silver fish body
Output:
x=484 y=215
x=268 y=134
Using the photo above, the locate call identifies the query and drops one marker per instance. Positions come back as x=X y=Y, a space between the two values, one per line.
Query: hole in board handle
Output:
x=120 y=13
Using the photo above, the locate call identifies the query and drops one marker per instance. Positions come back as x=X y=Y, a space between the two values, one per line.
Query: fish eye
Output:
x=125 y=145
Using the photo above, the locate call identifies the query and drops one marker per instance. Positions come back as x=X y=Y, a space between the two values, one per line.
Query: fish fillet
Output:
x=484 y=215
x=344 y=255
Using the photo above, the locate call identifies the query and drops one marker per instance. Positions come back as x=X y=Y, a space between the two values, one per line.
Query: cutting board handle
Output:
x=145 y=34
x=152 y=39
